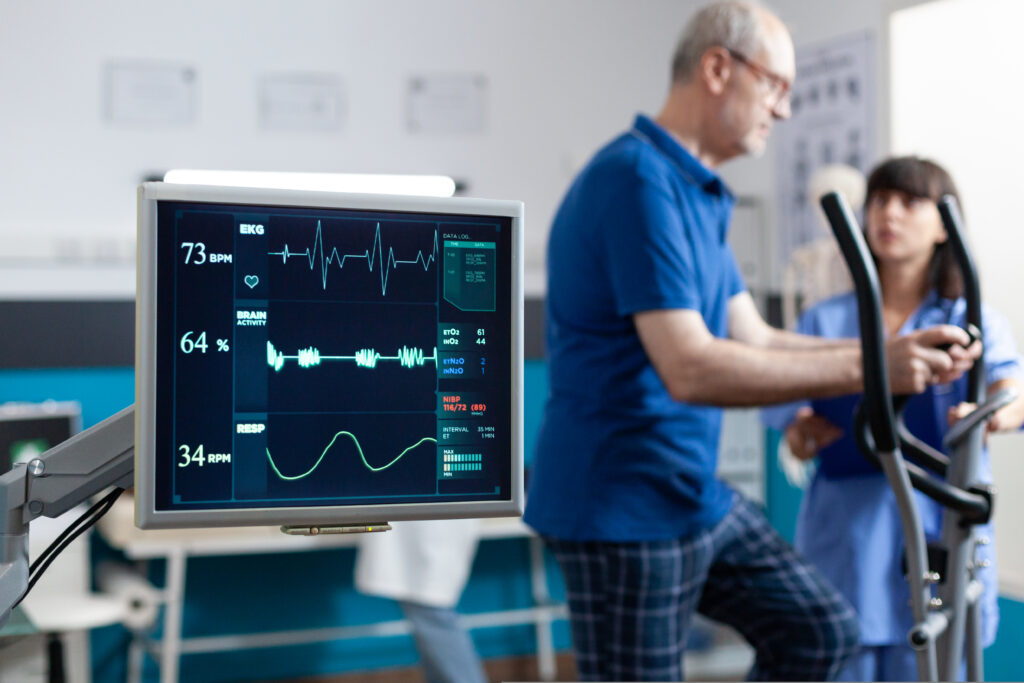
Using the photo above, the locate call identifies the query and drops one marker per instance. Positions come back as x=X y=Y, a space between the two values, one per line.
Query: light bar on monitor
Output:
x=322 y=358
x=365 y=183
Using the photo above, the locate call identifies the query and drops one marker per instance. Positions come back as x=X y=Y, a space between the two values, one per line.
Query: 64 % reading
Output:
x=190 y=343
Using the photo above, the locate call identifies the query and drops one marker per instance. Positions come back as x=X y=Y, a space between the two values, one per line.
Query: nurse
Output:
x=424 y=565
x=848 y=523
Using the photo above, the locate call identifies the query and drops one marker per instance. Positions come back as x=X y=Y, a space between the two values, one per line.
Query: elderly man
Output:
x=650 y=331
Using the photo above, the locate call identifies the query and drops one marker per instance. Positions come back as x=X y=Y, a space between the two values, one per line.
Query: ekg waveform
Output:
x=365 y=358
x=359 y=448
x=374 y=256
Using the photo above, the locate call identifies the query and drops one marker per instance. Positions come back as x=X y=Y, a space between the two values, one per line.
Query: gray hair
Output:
x=730 y=24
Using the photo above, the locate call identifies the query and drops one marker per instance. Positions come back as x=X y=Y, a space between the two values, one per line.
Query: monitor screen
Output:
x=312 y=357
x=27 y=430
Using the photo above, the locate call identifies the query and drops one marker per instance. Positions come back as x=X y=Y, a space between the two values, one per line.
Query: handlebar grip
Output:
x=972 y=331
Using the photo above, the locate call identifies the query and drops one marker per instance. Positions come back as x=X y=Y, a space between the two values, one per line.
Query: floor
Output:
x=507 y=669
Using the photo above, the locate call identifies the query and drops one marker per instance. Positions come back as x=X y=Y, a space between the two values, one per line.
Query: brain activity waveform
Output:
x=374 y=257
x=359 y=448
x=364 y=358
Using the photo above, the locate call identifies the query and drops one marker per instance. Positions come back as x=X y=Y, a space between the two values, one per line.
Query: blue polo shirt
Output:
x=642 y=228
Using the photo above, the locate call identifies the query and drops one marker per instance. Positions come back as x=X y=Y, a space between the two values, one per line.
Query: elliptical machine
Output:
x=947 y=621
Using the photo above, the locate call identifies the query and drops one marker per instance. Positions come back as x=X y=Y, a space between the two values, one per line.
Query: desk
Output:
x=50 y=641
x=21 y=659
x=176 y=546
x=17 y=625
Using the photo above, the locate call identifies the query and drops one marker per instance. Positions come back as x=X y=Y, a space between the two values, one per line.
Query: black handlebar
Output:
x=952 y=221
x=879 y=412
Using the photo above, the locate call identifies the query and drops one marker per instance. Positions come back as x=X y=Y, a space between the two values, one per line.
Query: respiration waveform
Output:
x=407 y=357
x=374 y=257
x=359 y=448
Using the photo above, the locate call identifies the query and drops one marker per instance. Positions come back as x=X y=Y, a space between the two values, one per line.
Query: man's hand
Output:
x=809 y=433
x=916 y=361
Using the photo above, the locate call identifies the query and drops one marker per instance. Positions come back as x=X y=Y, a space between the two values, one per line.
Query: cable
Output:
x=64 y=534
x=73 y=531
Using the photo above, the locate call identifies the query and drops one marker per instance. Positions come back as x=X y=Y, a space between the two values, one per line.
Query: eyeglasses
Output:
x=778 y=86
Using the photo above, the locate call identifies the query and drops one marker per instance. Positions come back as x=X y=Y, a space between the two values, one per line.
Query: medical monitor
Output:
x=27 y=430
x=323 y=358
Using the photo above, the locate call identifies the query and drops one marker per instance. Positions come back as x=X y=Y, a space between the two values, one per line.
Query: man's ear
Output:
x=715 y=69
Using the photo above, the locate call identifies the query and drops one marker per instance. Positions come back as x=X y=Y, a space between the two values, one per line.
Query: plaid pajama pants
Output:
x=631 y=603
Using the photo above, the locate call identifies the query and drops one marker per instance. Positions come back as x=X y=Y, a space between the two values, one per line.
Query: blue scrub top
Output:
x=643 y=227
x=849 y=524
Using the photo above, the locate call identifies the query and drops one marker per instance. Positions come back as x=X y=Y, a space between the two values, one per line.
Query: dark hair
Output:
x=926 y=179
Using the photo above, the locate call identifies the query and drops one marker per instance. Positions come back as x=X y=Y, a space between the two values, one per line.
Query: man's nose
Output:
x=782 y=110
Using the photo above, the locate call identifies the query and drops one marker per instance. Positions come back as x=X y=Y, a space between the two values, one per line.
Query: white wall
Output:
x=955 y=106
x=563 y=77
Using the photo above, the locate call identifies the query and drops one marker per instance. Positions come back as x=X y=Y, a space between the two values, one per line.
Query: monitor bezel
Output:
x=146 y=514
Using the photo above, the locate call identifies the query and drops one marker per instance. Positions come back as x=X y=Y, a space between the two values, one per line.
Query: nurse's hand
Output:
x=1009 y=418
x=809 y=433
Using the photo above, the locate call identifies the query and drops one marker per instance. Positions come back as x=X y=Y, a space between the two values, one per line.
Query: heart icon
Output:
x=251 y=281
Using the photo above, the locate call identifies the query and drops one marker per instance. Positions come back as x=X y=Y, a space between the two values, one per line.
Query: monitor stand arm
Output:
x=52 y=484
